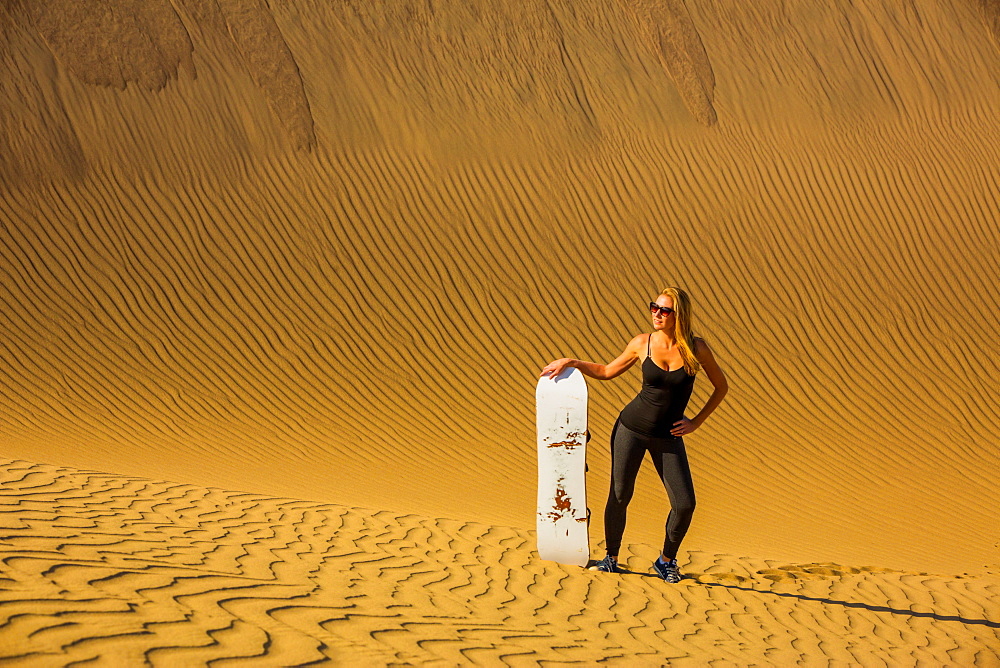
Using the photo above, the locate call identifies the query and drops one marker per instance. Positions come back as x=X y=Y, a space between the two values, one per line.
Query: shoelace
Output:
x=669 y=570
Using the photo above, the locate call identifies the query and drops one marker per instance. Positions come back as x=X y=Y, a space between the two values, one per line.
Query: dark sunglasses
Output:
x=662 y=310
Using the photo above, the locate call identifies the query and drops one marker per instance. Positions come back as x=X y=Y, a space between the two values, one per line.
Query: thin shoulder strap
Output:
x=648 y=341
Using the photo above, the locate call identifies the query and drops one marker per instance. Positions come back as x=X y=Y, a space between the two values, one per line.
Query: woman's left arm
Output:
x=719 y=382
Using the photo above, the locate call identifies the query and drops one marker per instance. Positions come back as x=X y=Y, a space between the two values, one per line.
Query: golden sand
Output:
x=305 y=260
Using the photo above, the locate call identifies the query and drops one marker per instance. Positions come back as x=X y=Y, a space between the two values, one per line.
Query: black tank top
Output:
x=661 y=401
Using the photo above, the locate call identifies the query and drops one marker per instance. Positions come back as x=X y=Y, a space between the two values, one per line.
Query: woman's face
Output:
x=664 y=317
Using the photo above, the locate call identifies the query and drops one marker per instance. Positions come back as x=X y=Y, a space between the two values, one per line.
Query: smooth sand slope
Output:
x=317 y=253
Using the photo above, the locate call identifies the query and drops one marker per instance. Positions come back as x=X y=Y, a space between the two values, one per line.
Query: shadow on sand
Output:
x=828 y=601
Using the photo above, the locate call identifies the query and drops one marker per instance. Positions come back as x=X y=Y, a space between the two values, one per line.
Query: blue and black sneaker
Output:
x=609 y=564
x=667 y=570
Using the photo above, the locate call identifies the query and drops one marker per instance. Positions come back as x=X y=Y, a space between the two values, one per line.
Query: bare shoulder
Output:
x=638 y=343
x=711 y=366
x=701 y=349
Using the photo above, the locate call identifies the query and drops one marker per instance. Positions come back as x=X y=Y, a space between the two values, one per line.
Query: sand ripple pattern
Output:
x=185 y=295
x=130 y=571
x=237 y=332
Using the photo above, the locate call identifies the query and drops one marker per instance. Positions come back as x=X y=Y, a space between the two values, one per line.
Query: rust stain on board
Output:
x=563 y=502
x=569 y=445
x=572 y=440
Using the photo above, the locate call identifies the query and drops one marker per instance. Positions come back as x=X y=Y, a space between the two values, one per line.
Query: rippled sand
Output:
x=305 y=261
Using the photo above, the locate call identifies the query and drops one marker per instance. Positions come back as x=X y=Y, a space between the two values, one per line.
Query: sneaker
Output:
x=609 y=565
x=668 y=570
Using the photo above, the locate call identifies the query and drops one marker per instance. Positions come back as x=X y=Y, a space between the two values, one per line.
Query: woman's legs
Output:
x=670 y=459
x=627 y=451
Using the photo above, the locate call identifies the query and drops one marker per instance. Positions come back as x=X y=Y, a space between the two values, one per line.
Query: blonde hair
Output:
x=682 y=328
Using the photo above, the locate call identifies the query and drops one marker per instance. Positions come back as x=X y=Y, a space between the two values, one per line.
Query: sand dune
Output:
x=130 y=570
x=318 y=253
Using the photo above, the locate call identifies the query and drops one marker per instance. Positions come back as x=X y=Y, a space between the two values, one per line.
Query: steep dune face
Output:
x=322 y=253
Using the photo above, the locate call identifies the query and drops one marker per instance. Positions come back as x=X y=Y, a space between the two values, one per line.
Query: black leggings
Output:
x=670 y=459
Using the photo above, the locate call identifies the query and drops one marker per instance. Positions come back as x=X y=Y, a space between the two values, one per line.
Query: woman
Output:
x=654 y=421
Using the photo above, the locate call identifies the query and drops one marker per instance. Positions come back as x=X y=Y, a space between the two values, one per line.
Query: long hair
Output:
x=682 y=328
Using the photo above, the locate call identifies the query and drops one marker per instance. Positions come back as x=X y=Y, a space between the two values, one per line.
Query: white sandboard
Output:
x=561 y=524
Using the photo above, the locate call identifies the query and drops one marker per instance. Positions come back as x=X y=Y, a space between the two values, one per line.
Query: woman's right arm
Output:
x=612 y=369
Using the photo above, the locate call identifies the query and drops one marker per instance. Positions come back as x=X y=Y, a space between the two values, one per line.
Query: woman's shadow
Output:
x=691 y=579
